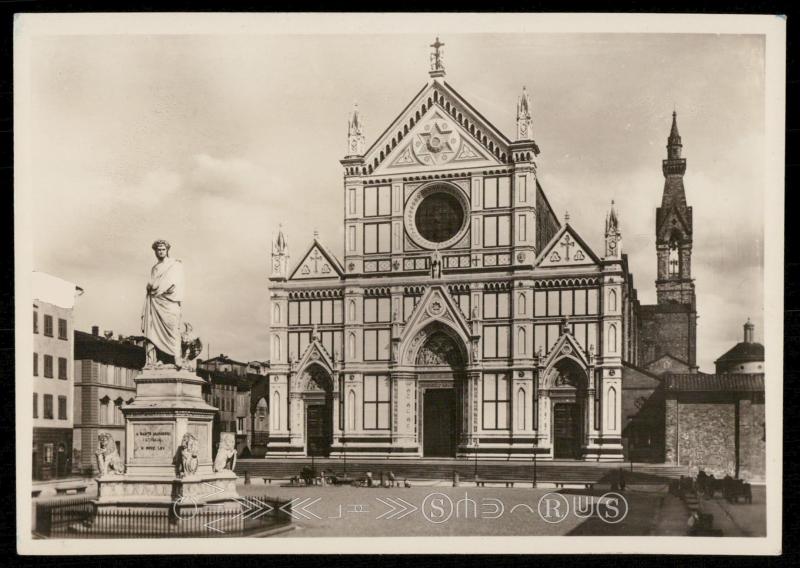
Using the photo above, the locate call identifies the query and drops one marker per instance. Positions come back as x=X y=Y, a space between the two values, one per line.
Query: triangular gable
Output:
x=477 y=141
x=667 y=364
x=436 y=304
x=666 y=226
x=316 y=353
x=437 y=141
x=317 y=263
x=566 y=346
x=566 y=248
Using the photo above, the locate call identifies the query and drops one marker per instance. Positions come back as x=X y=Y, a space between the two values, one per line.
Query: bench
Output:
x=560 y=484
x=65 y=489
x=267 y=480
x=507 y=482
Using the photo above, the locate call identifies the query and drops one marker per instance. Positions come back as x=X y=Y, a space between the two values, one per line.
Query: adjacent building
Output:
x=53 y=379
x=228 y=388
x=717 y=422
x=105 y=369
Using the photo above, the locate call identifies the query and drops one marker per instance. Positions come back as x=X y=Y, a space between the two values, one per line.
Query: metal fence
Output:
x=81 y=518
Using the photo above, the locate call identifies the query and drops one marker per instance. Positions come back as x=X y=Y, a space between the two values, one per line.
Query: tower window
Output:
x=674 y=261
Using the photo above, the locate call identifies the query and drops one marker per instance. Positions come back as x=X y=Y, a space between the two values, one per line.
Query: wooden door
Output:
x=566 y=431
x=439 y=423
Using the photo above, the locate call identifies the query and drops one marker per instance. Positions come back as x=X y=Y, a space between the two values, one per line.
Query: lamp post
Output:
x=475 y=474
x=535 y=447
x=344 y=454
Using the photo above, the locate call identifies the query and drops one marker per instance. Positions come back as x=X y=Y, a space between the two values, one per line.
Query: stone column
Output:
x=404 y=420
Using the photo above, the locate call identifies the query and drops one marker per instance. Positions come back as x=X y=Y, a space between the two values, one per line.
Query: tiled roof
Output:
x=743 y=352
x=108 y=351
x=700 y=382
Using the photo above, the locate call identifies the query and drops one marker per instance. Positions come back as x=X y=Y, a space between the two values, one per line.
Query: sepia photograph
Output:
x=372 y=282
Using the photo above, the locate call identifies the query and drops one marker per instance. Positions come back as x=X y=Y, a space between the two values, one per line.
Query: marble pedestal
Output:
x=168 y=404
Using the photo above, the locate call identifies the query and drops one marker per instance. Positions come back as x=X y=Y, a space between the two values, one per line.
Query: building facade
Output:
x=105 y=369
x=228 y=387
x=53 y=304
x=465 y=318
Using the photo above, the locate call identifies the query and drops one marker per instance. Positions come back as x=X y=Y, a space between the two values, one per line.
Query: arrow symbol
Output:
x=299 y=508
x=398 y=508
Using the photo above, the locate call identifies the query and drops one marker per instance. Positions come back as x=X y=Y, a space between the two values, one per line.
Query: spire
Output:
x=437 y=59
x=613 y=235
x=280 y=241
x=612 y=222
x=524 y=118
x=566 y=217
x=674 y=164
x=279 y=268
x=356 y=142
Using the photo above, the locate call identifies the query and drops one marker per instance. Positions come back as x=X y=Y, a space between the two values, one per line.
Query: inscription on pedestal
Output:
x=153 y=441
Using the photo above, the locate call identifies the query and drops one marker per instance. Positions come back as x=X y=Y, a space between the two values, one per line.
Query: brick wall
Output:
x=703 y=431
x=752 y=438
x=666 y=329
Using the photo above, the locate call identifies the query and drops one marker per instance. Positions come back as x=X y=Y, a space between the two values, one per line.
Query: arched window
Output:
x=611 y=409
x=103 y=414
x=276 y=313
x=674 y=258
x=522 y=340
x=612 y=338
x=351 y=346
x=276 y=347
x=262 y=419
x=521 y=304
x=612 y=300
x=521 y=409
x=351 y=310
x=276 y=411
x=119 y=419
x=351 y=410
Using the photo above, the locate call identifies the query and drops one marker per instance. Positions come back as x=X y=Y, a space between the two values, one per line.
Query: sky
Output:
x=212 y=141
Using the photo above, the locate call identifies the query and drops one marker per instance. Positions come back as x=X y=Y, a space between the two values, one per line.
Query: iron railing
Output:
x=81 y=518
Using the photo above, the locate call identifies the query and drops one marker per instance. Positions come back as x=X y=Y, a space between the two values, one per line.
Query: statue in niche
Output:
x=226 y=454
x=439 y=350
x=565 y=379
x=108 y=459
x=436 y=264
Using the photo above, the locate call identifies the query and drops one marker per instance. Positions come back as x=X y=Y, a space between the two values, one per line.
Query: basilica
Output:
x=466 y=318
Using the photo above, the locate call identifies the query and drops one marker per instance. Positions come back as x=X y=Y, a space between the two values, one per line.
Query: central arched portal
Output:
x=318 y=398
x=440 y=373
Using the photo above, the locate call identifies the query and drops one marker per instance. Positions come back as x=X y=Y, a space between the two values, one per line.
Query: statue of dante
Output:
x=161 y=315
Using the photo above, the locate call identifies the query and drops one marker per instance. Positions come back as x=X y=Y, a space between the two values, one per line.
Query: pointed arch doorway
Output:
x=568 y=383
x=318 y=399
x=440 y=372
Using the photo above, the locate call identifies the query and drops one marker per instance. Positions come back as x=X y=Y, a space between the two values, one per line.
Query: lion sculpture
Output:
x=226 y=454
x=187 y=463
x=108 y=459
x=191 y=346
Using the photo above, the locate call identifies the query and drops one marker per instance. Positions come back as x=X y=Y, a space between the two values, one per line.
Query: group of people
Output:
x=310 y=477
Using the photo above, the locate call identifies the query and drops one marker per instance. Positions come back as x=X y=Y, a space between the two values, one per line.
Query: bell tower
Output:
x=674 y=284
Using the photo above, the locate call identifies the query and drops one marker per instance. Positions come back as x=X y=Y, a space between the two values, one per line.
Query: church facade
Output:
x=465 y=317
